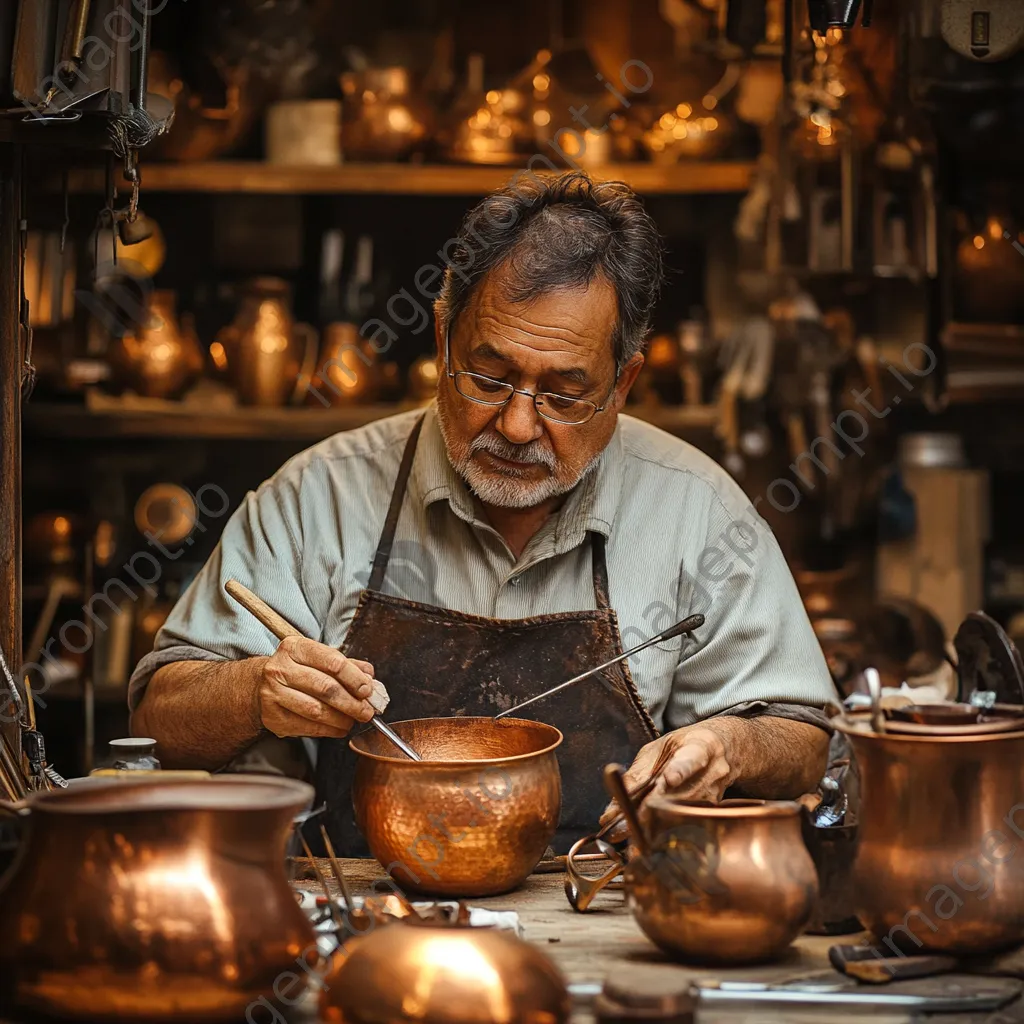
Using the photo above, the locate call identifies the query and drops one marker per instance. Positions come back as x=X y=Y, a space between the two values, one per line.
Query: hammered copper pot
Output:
x=725 y=883
x=154 y=899
x=441 y=973
x=474 y=817
x=940 y=857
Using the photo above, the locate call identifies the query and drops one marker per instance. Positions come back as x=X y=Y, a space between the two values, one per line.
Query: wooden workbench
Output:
x=606 y=941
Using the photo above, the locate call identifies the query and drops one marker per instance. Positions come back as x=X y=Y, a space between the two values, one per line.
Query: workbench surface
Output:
x=606 y=941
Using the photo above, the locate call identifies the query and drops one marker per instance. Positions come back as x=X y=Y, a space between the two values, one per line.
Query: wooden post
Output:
x=10 y=416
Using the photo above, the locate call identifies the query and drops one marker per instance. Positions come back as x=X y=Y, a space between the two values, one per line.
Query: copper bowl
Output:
x=474 y=817
x=726 y=883
x=435 y=974
x=153 y=899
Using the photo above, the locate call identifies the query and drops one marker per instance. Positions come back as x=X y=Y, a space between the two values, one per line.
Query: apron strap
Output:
x=387 y=536
x=600 y=571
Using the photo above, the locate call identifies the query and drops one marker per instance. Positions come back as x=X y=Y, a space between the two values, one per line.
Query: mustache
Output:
x=535 y=452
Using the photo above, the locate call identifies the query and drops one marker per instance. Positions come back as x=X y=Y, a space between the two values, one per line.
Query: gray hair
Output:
x=560 y=232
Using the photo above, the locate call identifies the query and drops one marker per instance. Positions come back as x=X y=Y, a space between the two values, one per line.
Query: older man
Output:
x=511 y=526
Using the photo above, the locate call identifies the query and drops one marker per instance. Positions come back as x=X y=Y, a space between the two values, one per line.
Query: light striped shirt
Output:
x=682 y=538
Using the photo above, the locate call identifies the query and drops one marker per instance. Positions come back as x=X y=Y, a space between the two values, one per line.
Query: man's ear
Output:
x=626 y=380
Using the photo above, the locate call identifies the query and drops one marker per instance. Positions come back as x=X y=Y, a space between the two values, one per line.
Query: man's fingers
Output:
x=284 y=722
x=689 y=761
x=323 y=689
x=326 y=659
x=314 y=712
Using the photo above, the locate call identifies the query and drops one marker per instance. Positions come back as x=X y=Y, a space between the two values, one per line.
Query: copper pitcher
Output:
x=153 y=898
x=725 y=883
x=159 y=358
x=350 y=371
x=939 y=856
x=268 y=357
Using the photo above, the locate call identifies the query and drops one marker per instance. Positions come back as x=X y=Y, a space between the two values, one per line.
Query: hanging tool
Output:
x=687 y=625
x=282 y=629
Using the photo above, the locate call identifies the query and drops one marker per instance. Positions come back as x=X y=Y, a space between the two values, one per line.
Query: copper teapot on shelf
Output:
x=267 y=356
x=158 y=358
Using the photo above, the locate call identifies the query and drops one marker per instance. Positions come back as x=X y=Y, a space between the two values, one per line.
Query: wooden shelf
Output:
x=183 y=421
x=695 y=177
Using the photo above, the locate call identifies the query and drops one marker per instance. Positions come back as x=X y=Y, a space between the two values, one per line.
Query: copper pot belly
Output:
x=940 y=858
x=153 y=899
x=474 y=817
x=725 y=883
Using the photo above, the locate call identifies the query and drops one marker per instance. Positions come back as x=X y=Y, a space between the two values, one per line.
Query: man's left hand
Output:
x=698 y=767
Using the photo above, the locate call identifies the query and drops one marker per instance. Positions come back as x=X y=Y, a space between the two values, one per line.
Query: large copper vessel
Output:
x=440 y=973
x=153 y=899
x=474 y=817
x=724 y=883
x=939 y=858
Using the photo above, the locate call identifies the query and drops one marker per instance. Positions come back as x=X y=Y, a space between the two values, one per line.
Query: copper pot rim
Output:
x=239 y=794
x=950 y=735
x=401 y=759
x=726 y=809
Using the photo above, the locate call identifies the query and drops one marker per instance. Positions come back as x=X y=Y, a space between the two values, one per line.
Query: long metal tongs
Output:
x=687 y=625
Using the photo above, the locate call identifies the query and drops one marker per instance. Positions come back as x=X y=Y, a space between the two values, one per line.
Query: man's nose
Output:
x=519 y=422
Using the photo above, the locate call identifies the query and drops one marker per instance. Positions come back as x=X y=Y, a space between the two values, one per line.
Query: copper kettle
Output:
x=158 y=898
x=159 y=358
x=268 y=357
x=350 y=370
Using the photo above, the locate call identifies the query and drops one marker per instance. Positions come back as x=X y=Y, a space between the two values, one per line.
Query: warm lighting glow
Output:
x=483 y=117
x=825 y=137
x=504 y=131
x=541 y=117
x=684 y=110
x=979 y=242
x=493 y=96
x=822 y=118
x=457 y=957
x=667 y=120
x=61 y=526
x=679 y=131
x=995 y=229
x=399 y=119
x=710 y=102
x=541 y=82
x=710 y=123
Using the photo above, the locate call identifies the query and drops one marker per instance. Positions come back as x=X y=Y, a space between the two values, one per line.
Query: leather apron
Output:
x=438 y=663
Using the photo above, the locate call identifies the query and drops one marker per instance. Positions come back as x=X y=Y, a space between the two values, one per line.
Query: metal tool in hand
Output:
x=283 y=629
x=687 y=625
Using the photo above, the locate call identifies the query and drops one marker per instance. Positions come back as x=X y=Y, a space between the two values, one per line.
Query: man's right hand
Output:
x=309 y=689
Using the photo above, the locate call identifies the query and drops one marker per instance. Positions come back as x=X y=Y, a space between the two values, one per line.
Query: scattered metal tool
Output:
x=282 y=629
x=687 y=625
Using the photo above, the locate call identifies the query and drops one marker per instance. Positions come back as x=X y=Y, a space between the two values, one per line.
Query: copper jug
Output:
x=268 y=357
x=725 y=883
x=153 y=898
x=350 y=370
x=159 y=358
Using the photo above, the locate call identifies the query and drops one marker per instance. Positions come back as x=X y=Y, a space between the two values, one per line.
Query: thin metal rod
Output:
x=339 y=875
x=396 y=739
x=685 y=626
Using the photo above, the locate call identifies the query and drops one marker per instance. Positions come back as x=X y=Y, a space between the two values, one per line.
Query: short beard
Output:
x=505 y=490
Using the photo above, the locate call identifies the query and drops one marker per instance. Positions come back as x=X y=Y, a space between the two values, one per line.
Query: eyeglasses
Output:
x=487 y=391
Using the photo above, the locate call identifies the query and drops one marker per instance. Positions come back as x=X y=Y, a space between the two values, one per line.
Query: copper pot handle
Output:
x=580 y=889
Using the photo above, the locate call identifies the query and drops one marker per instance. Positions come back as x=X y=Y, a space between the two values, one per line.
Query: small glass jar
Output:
x=134 y=754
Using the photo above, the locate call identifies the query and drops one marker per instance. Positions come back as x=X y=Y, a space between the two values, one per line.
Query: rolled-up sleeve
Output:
x=757 y=653
x=261 y=548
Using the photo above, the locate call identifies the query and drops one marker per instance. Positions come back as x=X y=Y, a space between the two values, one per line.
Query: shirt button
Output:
x=514 y=580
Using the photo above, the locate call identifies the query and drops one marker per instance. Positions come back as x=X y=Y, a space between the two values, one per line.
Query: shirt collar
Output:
x=591 y=506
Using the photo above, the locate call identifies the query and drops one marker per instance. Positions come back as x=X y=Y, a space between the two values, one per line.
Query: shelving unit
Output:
x=254 y=177
x=183 y=420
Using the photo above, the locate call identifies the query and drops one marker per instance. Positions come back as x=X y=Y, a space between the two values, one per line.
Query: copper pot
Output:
x=724 y=883
x=159 y=358
x=941 y=829
x=436 y=973
x=267 y=355
x=383 y=119
x=350 y=370
x=474 y=817
x=156 y=899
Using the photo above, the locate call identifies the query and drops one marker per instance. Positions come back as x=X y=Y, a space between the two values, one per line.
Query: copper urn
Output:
x=724 y=883
x=474 y=817
x=938 y=864
x=153 y=899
